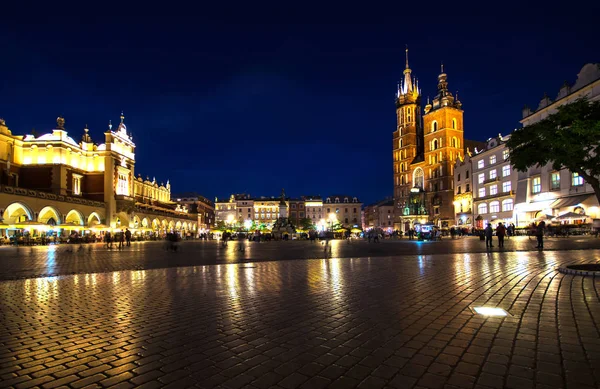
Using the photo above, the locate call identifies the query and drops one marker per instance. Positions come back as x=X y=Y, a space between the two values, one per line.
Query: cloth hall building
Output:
x=53 y=184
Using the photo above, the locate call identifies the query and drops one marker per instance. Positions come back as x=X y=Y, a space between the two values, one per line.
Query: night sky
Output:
x=232 y=102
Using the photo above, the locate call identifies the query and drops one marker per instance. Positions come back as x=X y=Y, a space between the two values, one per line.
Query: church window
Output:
x=454 y=123
x=418 y=178
x=434 y=126
x=402 y=180
x=434 y=144
x=401 y=143
x=454 y=142
x=400 y=131
x=408 y=115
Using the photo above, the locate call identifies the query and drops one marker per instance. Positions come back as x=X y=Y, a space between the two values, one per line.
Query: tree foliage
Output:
x=568 y=139
x=306 y=224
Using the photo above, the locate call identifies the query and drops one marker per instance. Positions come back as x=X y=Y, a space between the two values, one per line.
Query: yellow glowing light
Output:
x=490 y=311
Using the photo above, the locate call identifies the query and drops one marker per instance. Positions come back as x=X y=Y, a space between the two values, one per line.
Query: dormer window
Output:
x=355 y=200
x=345 y=199
x=337 y=199
x=328 y=200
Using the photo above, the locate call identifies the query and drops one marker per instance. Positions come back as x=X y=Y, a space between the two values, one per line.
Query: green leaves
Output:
x=568 y=139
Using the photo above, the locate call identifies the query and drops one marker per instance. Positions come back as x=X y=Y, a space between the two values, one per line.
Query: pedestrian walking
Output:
x=500 y=233
x=128 y=237
x=121 y=239
x=539 y=233
x=489 y=233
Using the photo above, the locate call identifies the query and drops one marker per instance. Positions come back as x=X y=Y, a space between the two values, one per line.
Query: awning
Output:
x=570 y=201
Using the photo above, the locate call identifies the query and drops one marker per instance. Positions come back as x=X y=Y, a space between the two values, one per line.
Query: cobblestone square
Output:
x=396 y=315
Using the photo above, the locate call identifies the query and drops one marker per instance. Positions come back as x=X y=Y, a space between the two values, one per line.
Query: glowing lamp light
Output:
x=247 y=224
x=490 y=311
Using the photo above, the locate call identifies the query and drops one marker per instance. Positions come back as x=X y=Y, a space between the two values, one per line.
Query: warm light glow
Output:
x=332 y=217
x=490 y=311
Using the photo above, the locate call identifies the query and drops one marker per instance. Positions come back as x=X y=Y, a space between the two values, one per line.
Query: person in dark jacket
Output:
x=539 y=233
x=500 y=233
x=489 y=233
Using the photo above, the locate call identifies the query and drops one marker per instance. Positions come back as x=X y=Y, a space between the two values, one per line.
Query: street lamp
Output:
x=332 y=219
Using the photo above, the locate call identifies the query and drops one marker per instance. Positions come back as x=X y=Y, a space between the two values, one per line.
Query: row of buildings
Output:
x=443 y=179
x=52 y=184
x=322 y=212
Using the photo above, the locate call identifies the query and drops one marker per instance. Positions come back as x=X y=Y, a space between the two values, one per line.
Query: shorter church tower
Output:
x=443 y=138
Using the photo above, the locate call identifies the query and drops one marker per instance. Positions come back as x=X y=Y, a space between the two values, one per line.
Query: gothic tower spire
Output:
x=408 y=84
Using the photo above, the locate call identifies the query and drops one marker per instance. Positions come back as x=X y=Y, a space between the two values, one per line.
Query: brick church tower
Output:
x=425 y=149
x=407 y=139
x=444 y=144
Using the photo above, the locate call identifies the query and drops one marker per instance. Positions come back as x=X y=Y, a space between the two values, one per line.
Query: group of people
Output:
x=123 y=237
x=503 y=231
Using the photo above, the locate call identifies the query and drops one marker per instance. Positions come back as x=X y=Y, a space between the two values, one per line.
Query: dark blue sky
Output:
x=232 y=102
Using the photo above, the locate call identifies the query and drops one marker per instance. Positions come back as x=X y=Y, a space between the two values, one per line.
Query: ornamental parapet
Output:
x=50 y=196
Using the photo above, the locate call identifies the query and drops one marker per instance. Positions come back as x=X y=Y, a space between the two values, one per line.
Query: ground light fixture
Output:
x=490 y=311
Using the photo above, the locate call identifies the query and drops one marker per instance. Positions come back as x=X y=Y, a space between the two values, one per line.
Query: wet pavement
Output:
x=44 y=261
x=374 y=321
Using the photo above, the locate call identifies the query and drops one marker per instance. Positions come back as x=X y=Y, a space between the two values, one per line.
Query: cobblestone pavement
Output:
x=27 y=262
x=396 y=322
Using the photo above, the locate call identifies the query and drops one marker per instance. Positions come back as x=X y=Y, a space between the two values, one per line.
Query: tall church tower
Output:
x=443 y=138
x=407 y=139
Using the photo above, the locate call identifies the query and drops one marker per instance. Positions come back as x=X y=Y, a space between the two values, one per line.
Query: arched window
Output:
x=400 y=131
x=507 y=205
x=454 y=123
x=408 y=115
x=328 y=200
x=434 y=144
x=419 y=178
x=401 y=143
x=482 y=208
x=494 y=206
x=337 y=199
x=454 y=142
x=434 y=126
x=402 y=180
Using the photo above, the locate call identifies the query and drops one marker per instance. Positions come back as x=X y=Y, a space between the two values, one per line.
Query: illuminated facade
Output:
x=425 y=149
x=541 y=190
x=242 y=210
x=379 y=215
x=56 y=168
x=463 y=192
x=494 y=183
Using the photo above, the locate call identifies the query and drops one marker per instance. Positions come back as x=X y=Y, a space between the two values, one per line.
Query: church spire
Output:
x=408 y=83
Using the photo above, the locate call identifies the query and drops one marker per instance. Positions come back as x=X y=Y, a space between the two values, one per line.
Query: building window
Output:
x=458 y=176
x=481 y=178
x=468 y=188
x=434 y=126
x=576 y=179
x=492 y=159
x=505 y=154
x=555 y=178
x=493 y=190
x=77 y=184
x=493 y=174
x=419 y=178
x=536 y=185
x=408 y=115
x=294 y=206
x=355 y=210
x=454 y=123
x=494 y=207
x=458 y=190
x=301 y=214
x=467 y=174
x=506 y=171
x=507 y=205
x=481 y=192
x=482 y=208
x=123 y=185
x=480 y=164
x=401 y=144
x=506 y=186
